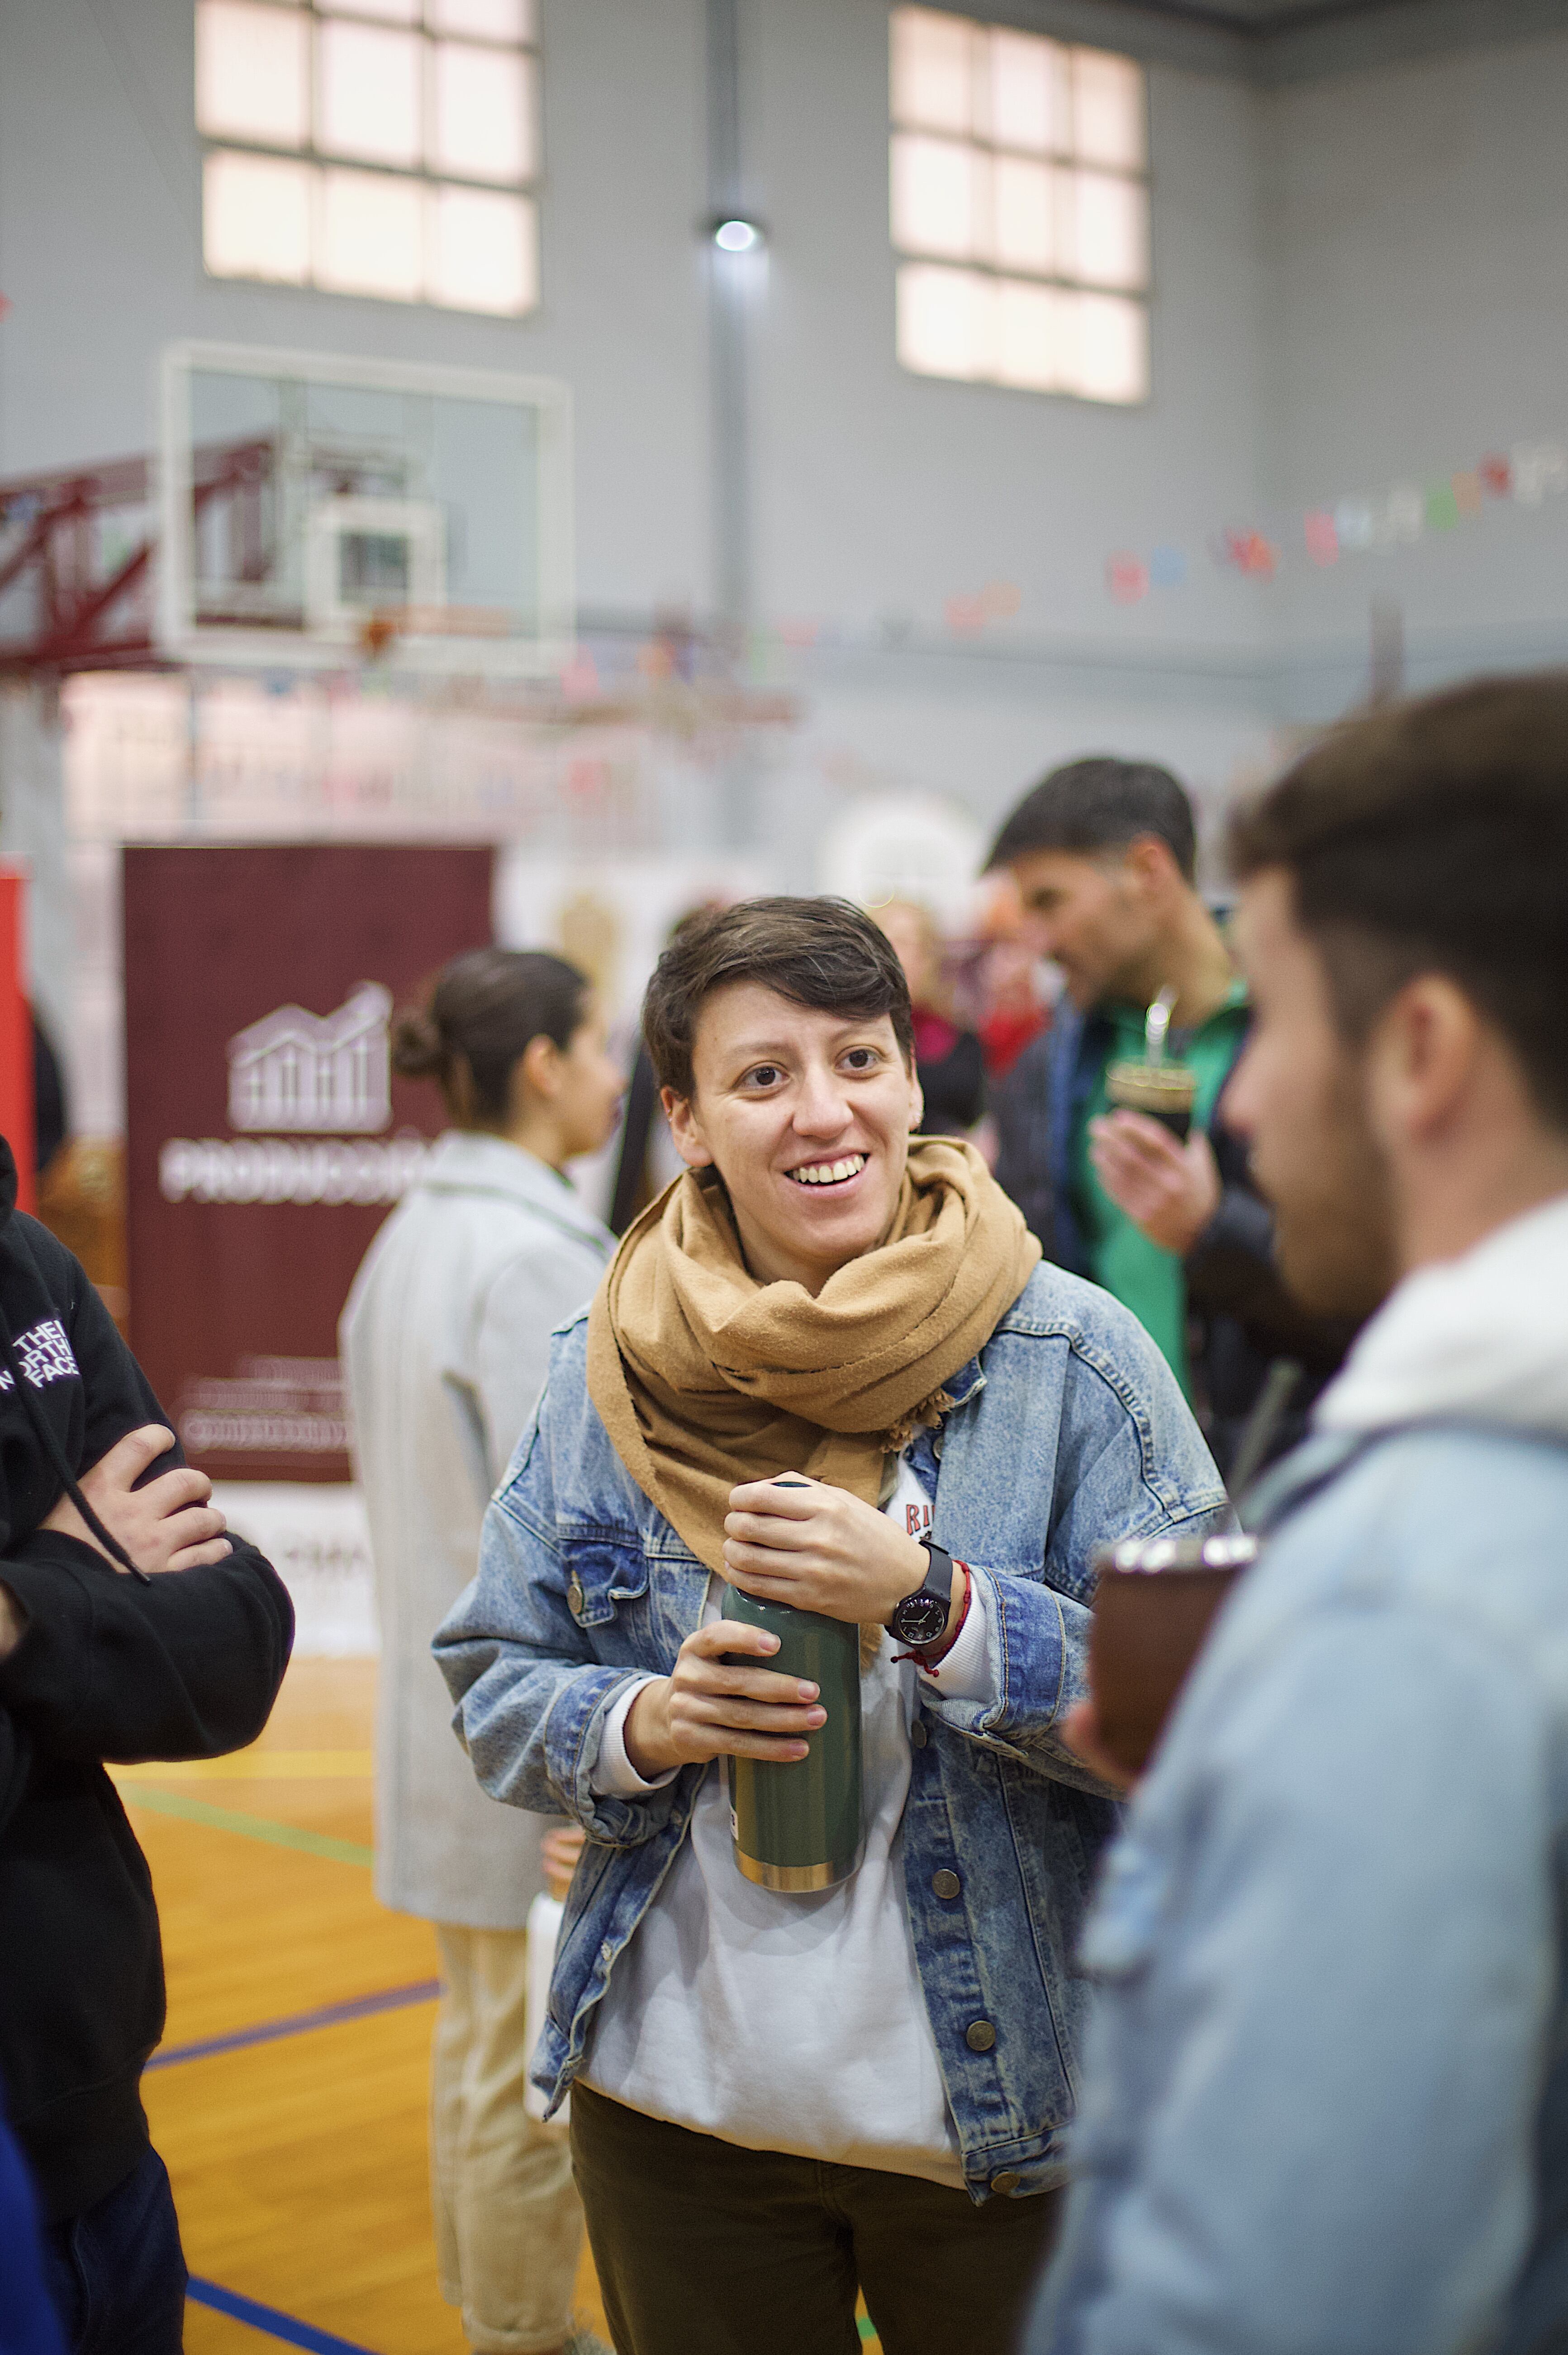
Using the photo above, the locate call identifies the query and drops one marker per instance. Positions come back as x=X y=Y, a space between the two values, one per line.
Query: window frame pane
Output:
x=1056 y=205
x=910 y=78
x=349 y=188
x=918 y=160
x=936 y=300
x=274 y=174
x=452 y=196
x=345 y=48
x=1088 y=183
x=212 y=68
x=446 y=55
x=330 y=160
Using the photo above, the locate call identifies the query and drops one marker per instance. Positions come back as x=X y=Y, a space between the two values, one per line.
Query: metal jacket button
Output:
x=979 y=2036
x=575 y=1595
x=917 y=1735
x=1006 y=2180
x=945 y=1884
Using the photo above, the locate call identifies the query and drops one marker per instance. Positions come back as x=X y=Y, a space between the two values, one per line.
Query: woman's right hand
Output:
x=711 y=1709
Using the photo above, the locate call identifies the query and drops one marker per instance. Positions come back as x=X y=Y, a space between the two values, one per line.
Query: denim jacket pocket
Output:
x=1124 y=1925
x=602 y=1572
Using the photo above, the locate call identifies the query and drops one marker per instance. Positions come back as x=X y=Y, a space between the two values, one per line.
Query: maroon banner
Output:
x=266 y=1135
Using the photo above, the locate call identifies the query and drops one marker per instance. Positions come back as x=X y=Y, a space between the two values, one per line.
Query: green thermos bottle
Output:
x=798 y=1826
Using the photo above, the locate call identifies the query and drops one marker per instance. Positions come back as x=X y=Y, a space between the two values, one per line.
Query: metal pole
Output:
x=730 y=279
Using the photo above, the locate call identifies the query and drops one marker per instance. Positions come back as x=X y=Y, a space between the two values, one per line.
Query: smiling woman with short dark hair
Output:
x=781 y=2095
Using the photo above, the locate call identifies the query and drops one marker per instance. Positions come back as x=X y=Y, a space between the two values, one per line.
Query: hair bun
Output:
x=418 y=1052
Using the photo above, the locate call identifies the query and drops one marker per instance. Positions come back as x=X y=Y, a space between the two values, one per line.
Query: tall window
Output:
x=1020 y=204
x=380 y=147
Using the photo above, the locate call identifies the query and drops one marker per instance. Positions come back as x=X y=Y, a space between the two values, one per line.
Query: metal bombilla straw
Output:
x=1156 y=1027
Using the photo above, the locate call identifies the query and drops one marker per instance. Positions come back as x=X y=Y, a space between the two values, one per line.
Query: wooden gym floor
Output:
x=289 y=2094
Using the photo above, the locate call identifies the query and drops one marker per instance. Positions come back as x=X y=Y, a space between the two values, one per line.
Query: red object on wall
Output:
x=266 y=1139
x=16 y=1108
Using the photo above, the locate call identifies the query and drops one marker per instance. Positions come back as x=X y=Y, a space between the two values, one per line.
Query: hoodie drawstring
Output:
x=49 y=1442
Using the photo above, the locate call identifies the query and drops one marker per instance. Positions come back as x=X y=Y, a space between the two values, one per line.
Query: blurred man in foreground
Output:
x=1326 y=2102
x=1104 y=854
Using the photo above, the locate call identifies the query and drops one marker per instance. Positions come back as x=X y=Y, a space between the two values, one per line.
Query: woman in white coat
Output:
x=444 y=1343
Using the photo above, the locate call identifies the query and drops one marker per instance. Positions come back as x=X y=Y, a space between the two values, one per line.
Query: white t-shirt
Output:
x=786 y=2022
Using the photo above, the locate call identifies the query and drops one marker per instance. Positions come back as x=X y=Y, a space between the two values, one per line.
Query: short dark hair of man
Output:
x=1433 y=838
x=1101 y=805
x=822 y=952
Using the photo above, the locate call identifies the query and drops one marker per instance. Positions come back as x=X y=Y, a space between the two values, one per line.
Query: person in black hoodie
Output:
x=130 y=1628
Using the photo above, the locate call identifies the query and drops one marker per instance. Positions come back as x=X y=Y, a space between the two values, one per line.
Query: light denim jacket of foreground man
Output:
x=1327 y=2085
x=1067 y=1430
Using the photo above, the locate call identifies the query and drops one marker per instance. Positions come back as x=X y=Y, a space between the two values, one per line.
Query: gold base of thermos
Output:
x=799 y=1878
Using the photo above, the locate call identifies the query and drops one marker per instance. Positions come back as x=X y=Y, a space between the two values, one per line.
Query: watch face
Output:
x=920 y=1618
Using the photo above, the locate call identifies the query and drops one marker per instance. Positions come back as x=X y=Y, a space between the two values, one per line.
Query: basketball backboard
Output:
x=314 y=507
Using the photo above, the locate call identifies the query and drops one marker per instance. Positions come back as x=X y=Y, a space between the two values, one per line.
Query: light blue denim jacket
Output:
x=1066 y=1430
x=1326 y=2090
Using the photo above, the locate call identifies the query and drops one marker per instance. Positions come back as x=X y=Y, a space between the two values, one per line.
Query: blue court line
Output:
x=326 y=2015
x=268 y=2319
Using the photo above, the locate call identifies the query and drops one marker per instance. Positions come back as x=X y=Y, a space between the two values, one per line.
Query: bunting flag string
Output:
x=1358 y=523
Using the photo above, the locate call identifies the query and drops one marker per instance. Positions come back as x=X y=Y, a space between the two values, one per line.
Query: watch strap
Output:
x=938 y=1584
x=938 y=1570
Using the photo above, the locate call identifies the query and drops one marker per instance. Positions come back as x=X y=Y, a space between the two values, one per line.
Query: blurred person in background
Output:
x=51 y=1120
x=131 y=1627
x=1015 y=1013
x=1104 y=853
x=948 y=1060
x=1015 y=1029
x=1326 y=2095
x=445 y=1341
x=777 y=2095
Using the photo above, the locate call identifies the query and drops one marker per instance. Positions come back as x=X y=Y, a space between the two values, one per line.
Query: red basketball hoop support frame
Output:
x=89 y=612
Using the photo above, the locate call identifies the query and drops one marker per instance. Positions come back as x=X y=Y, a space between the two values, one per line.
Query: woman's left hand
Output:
x=561 y=1847
x=820 y=1548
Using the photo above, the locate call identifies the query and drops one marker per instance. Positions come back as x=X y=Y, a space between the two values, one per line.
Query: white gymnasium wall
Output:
x=880 y=495
x=1355 y=275
x=1417 y=234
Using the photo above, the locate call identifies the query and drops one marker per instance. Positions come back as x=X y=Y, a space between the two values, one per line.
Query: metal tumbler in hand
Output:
x=797 y=1826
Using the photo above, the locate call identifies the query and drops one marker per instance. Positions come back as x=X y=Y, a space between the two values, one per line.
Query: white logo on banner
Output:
x=275 y=1169
x=324 y=1073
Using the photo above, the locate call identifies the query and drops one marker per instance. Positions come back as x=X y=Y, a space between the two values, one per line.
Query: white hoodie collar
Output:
x=1481 y=1338
x=473 y=1161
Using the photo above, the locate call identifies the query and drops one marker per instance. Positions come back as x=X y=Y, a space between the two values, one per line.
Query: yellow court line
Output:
x=259 y=1766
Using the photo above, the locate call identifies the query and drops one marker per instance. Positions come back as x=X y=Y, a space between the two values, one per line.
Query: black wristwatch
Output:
x=922 y=1617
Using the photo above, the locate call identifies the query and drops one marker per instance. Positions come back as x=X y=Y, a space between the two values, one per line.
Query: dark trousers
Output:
x=117 y=2273
x=705 y=2249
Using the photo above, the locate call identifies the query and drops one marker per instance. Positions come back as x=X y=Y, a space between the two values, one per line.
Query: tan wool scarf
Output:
x=705 y=1378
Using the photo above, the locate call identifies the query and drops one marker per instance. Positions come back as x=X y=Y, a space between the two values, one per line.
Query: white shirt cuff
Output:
x=964 y=1673
x=614 y=1777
